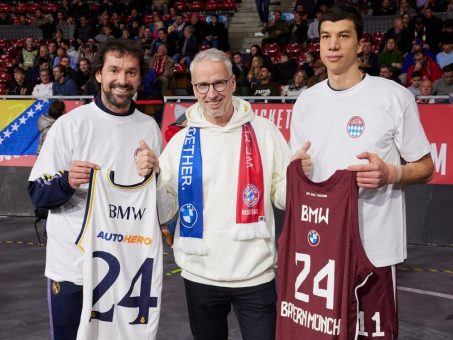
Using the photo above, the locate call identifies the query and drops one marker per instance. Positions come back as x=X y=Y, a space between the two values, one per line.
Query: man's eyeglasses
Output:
x=219 y=86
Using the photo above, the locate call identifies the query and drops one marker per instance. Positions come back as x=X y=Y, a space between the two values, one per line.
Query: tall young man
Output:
x=369 y=125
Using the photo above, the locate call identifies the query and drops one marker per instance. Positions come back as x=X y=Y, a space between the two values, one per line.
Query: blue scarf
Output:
x=250 y=195
x=190 y=195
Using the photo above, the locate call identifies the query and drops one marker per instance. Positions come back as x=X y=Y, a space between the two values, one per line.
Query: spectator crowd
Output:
x=418 y=47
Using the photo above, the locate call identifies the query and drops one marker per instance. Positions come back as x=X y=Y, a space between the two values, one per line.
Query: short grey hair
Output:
x=212 y=54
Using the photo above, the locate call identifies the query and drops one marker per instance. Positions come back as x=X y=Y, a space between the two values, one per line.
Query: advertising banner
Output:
x=437 y=121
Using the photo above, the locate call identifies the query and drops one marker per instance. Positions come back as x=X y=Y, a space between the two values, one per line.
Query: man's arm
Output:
x=377 y=173
x=420 y=171
x=50 y=192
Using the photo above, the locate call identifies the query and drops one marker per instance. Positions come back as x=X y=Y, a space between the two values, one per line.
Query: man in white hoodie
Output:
x=221 y=175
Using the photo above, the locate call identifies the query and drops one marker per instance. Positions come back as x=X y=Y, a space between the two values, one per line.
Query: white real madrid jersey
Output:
x=122 y=262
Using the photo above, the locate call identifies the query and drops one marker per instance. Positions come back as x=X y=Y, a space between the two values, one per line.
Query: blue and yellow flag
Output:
x=19 y=134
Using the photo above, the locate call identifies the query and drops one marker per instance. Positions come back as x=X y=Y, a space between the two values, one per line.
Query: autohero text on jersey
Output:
x=134 y=239
x=309 y=320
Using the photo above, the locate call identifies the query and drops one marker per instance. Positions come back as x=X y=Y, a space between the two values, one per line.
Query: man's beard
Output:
x=127 y=99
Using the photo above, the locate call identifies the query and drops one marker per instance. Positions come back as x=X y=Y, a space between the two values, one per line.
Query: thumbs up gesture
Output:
x=307 y=164
x=146 y=160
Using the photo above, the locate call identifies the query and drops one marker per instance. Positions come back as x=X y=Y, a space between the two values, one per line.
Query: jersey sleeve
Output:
x=410 y=137
x=49 y=187
x=49 y=192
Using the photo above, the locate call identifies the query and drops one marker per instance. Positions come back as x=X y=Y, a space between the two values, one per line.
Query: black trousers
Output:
x=65 y=306
x=208 y=308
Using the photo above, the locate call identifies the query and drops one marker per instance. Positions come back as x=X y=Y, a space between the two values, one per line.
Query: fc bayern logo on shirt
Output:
x=250 y=195
x=313 y=238
x=188 y=215
x=355 y=127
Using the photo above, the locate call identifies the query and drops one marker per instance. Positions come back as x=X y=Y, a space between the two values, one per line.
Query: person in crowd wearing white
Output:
x=43 y=89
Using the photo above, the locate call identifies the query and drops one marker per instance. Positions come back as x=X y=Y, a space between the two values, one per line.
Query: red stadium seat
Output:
x=5 y=8
x=180 y=69
x=293 y=49
x=4 y=77
x=378 y=36
x=228 y=5
x=39 y=42
x=20 y=8
x=301 y=58
x=180 y=6
x=270 y=49
x=211 y=6
x=313 y=47
x=196 y=6
x=187 y=18
x=4 y=43
x=12 y=52
x=33 y=7
x=202 y=18
x=18 y=43
x=147 y=19
x=2 y=89
x=29 y=20
x=367 y=36
x=50 y=8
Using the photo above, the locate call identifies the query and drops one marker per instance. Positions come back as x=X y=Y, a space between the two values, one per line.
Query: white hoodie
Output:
x=229 y=262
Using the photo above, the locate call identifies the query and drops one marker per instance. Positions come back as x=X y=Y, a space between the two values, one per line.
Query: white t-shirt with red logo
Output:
x=376 y=115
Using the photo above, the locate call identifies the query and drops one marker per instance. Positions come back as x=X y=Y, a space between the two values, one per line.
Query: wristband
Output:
x=399 y=174
x=395 y=173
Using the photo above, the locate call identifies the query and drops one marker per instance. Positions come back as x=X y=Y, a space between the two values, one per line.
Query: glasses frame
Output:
x=223 y=82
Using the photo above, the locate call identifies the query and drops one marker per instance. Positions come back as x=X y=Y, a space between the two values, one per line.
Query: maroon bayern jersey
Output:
x=322 y=263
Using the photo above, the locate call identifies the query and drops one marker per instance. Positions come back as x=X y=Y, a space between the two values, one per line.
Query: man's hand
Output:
x=146 y=160
x=305 y=158
x=373 y=175
x=79 y=173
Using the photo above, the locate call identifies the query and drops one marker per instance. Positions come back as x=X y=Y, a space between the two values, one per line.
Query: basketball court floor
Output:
x=425 y=290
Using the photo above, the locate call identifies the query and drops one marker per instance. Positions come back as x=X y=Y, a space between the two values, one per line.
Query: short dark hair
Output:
x=85 y=59
x=60 y=68
x=121 y=47
x=43 y=60
x=447 y=68
x=344 y=12
x=19 y=69
x=56 y=109
x=387 y=66
x=416 y=74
